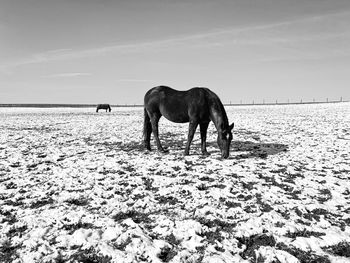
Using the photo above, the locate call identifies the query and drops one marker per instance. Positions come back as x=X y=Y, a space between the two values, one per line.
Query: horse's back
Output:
x=103 y=106
x=166 y=93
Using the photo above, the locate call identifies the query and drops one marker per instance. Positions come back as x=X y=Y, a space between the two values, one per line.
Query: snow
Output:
x=78 y=185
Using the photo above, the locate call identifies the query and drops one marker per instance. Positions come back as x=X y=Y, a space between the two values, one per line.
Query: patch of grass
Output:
x=167 y=200
x=222 y=225
x=272 y=181
x=11 y=185
x=8 y=252
x=300 y=221
x=220 y=186
x=9 y=217
x=320 y=211
x=282 y=170
x=73 y=227
x=295 y=194
x=249 y=186
x=280 y=224
x=304 y=233
x=138 y=196
x=2 y=176
x=40 y=203
x=88 y=256
x=250 y=208
x=313 y=215
x=78 y=201
x=264 y=207
x=16 y=231
x=185 y=181
x=206 y=178
x=121 y=246
x=176 y=168
x=341 y=249
x=285 y=214
x=253 y=243
x=347 y=221
x=149 y=184
x=213 y=236
x=129 y=168
x=137 y=217
x=202 y=187
x=172 y=240
x=232 y=204
x=244 y=197
x=303 y=256
x=166 y=254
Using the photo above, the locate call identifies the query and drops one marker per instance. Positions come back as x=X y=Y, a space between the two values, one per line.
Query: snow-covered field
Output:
x=77 y=186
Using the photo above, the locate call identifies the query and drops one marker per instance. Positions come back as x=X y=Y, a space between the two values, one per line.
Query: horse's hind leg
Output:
x=154 y=121
x=204 y=128
x=191 y=130
x=147 y=131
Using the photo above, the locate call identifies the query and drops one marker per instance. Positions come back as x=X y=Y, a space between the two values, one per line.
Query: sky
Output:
x=105 y=51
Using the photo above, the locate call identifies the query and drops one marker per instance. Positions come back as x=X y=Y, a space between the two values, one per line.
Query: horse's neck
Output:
x=219 y=119
x=217 y=112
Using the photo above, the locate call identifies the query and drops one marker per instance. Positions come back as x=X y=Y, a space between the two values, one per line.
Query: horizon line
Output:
x=89 y=105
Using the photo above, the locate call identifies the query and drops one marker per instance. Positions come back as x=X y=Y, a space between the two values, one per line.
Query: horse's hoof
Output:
x=205 y=153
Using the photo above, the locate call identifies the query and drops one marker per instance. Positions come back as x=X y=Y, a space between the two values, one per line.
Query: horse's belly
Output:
x=178 y=118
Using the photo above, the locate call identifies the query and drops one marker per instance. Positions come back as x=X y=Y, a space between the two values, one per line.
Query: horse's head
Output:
x=224 y=141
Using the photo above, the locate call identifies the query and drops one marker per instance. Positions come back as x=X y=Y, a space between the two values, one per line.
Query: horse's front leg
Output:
x=204 y=128
x=191 y=130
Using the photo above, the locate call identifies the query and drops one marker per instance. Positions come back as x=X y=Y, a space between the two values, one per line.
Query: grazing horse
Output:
x=104 y=107
x=198 y=106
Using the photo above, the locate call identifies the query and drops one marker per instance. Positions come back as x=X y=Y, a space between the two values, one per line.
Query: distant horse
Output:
x=104 y=107
x=198 y=106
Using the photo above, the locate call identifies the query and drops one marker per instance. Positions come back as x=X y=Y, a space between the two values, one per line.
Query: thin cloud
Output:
x=68 y=75
x=66 y=54
x=134 y=80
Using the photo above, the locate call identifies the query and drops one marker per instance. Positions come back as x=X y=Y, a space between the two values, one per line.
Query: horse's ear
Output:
x=231 y=126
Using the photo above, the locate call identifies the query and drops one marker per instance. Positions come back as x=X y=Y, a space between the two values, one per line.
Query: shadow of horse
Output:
x=256 y=149
x=249 y=149
x=175 y=141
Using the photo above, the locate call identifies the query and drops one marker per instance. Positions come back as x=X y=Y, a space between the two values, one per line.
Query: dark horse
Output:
x=104 y=107
x=196 y=106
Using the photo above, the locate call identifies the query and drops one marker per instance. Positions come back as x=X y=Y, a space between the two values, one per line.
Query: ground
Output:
x=77 y=186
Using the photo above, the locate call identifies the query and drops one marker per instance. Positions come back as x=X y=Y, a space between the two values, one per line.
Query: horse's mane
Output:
x=215 y=100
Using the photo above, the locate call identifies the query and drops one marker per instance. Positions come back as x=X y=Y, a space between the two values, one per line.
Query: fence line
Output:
x=285 y=103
